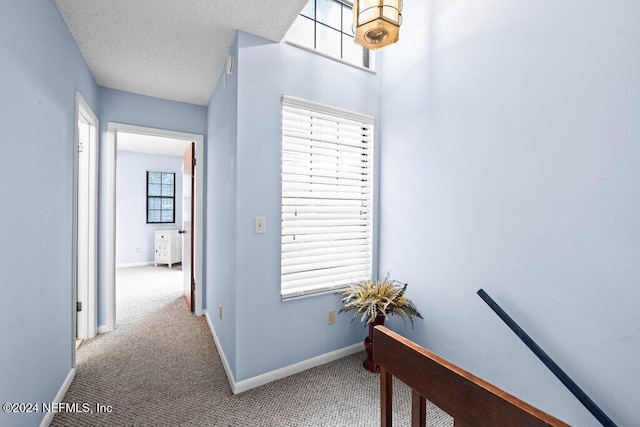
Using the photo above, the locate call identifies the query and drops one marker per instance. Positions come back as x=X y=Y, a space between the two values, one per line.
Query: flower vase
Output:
x=369 y=364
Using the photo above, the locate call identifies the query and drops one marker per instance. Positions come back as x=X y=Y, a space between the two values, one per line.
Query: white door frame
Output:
x=110 y=259
x=88 y=325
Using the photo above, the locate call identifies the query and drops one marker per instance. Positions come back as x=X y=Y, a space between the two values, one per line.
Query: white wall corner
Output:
x=296 y=368
x=48 y=416
x=277 y=374
x=223 y=358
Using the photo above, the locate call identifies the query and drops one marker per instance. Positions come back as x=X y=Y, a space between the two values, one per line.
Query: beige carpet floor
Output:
x=160 y=367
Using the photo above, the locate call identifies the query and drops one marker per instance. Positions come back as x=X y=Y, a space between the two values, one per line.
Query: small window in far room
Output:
x=161 y=197
x=325 y=26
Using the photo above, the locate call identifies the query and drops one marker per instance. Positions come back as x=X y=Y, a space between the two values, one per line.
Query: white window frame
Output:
x=326 y=237
x=368 y=60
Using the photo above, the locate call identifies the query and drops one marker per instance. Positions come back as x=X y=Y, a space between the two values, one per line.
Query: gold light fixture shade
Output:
x=376 y=23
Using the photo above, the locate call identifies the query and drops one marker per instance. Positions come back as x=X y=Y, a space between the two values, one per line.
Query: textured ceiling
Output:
x=171 y=49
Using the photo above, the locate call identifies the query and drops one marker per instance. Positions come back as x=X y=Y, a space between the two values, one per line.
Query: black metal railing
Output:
x=548 y=362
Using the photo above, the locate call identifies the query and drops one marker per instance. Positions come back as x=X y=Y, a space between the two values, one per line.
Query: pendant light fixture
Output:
x=376 y=23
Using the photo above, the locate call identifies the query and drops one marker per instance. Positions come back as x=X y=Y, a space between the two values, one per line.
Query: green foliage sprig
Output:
x=371 y=299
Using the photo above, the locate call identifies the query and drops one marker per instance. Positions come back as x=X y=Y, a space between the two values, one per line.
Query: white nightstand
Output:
x=168 y=247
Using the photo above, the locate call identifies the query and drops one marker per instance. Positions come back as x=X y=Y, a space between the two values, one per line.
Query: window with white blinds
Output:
x=327 y=195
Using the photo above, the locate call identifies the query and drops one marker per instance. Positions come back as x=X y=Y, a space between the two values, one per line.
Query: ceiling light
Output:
x=376 y=23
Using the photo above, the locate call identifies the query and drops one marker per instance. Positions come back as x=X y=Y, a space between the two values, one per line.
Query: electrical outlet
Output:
x=220 y=311
x=331 y=317
x=259 y=226
x=138 y=250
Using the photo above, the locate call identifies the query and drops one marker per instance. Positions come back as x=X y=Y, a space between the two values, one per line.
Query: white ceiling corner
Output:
x=165 y=48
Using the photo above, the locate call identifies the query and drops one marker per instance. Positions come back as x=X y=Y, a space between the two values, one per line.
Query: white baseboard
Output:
x=286 y=371
x=267 y=377
x=134 y=264
x=48 y=416
x=225 y=362
x=103 y=329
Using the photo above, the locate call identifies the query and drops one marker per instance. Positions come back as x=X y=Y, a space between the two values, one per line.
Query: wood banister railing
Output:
x=468 y=399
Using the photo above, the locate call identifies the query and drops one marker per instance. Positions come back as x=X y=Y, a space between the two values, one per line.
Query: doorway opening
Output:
x=151 y=223
x=148 y=224
x=85 y=223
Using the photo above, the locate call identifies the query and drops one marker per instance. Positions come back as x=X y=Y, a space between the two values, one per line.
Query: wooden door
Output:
x=188 y=188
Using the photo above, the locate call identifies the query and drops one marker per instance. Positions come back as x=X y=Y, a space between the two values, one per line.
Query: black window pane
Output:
x=351 y=51
x=167 y=216
x=154 y=216
x=167 y=178
x=301 y=32
x=167 y=190
x=154 y=203
x=314 y=29
x=167 y=204
x=155 y=177
x=329 y=12
x=155 y=189
x=160 y=197
x=328 y=41
x=347 y=20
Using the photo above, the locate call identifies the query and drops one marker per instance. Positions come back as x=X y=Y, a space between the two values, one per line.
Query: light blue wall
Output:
x=221 y=183
x=271 y=333
x=124 y=107
x=132 y=230
x=511 y=162
x=41 y=69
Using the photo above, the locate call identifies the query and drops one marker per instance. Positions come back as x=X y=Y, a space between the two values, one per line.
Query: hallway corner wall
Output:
x=42 y=68
x=221 y=212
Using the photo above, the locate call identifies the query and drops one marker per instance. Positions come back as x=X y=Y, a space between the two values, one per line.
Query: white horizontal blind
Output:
x=327 y=189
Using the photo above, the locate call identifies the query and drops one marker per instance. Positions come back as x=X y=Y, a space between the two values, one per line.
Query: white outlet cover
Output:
x=259 y=225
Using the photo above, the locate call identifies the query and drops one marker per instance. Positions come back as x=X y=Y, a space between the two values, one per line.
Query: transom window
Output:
x=325 y=26
x=161 y=197
x=327 y=192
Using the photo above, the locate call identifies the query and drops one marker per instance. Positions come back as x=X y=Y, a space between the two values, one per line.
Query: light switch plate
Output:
x=259 y=225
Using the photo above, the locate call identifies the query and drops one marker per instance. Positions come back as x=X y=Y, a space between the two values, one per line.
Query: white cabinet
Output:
x=168 y=246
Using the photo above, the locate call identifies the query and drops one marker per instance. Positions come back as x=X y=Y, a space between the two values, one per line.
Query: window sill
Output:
x=317 y=52
x=310 y=295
